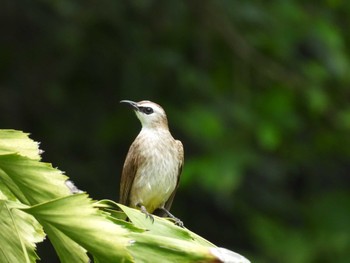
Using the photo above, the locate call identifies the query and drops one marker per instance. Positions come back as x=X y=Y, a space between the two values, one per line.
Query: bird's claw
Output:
x=178 y=222
x=148 y=215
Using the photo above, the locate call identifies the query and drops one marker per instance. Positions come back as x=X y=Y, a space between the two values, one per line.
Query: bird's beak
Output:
x=131 y=103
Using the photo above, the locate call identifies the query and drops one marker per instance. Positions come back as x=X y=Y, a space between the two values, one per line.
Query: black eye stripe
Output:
x=146 y=110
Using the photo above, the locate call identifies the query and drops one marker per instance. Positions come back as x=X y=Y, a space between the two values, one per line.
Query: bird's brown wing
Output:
x=168 y=203
x=128 y=175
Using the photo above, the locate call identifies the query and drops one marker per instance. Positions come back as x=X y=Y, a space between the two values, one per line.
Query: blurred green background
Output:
x=257 y=91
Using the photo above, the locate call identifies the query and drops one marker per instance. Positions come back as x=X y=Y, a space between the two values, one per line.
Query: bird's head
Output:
x=150 y=114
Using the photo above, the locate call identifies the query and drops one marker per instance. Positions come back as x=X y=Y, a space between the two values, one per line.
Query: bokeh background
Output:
x=257 y=91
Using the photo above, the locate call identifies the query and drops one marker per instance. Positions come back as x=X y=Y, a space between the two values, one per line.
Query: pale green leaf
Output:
x=12 y=141
x=147 y=247
x=67 y=250
x=32 y=181
x=9 y=188
x=160 y=226
x=19 y=233
x=76 y=218
x=164 y=241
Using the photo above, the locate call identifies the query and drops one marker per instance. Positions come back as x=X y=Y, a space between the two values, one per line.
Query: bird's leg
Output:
x=144 y=210
x=178 y=222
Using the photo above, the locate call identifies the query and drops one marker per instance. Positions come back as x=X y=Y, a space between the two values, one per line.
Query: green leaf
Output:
x=75 y=217
x=162 y=241
x=31 y=181
x=67 y=250
x=19 y=233
x=13 y=141
x=160 y=226
x=165 y=241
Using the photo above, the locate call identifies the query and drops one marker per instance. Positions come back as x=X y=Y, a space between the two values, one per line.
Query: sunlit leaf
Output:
x=13 y=141
x=75 y=217
x=36 y=181
x=19 y=233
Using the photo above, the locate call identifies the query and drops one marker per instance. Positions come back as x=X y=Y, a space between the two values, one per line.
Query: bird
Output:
x=153 y=164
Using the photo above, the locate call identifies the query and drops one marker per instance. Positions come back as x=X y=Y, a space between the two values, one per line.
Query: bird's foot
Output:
x=148 y=215
x=177 y=221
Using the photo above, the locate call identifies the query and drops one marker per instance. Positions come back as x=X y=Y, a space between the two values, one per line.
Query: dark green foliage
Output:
x=257 y=92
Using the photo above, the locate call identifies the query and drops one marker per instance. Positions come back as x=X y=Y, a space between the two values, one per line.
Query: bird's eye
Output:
x=147 y=110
